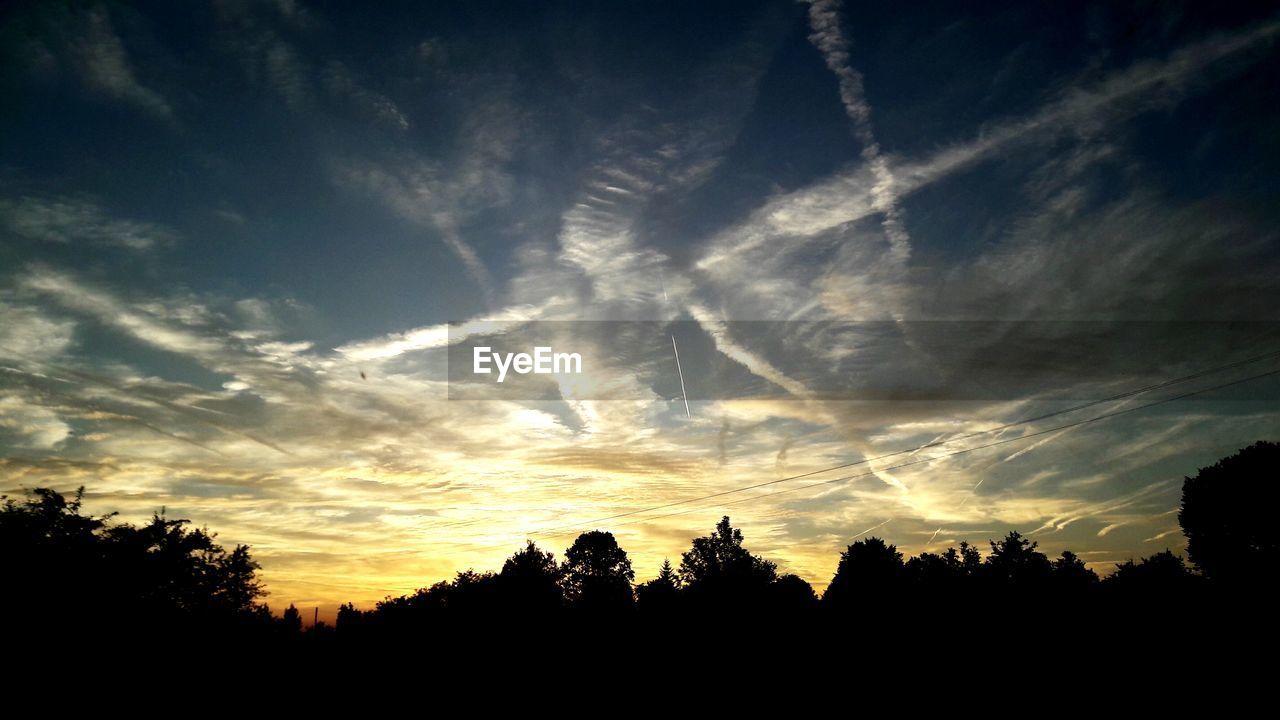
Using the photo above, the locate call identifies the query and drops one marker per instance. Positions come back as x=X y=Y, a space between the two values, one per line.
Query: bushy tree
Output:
x=530 y=580
x=1015 y=561
x=868 y=567
x=349 y=618
x=719 y=566
x=1158 y=573
x=291 y=620
x=792 y=593
x=1226 y=515
x=597 y=573
x=1069 y=571
x=120 y=573
x=932 y=571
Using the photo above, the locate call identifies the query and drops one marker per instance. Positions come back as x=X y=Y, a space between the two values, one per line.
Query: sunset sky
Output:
x=243 y=245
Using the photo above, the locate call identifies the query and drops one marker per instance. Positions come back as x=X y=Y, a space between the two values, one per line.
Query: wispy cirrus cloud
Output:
x=105 y=67
x=426 y=194
x=75 y=221
x=342 y=82
x=792 y=220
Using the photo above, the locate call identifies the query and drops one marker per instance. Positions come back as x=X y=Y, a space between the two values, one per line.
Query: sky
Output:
x=247 y=248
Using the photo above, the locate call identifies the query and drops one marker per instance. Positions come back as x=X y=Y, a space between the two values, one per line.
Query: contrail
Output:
x=683 y=395
x=827 y=37
x=874 y=527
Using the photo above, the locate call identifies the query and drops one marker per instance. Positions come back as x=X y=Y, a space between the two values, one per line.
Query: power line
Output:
x=936 y=443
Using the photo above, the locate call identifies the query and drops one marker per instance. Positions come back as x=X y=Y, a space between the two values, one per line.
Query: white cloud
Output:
x=28 y=334
x=796 y=218
x=108 y=309
x=106 y=68
x=26 y=424
x=79 y=221
x=827 y=36
x=342 y=82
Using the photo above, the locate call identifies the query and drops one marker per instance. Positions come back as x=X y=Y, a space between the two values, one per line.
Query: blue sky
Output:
x=214 y=218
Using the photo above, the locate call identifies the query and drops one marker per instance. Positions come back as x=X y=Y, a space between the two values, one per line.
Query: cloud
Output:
x=288 y=75
x=78 y=221
x=252 y=34
x=827 y=36
x=796 y=218
x=142 y=325
x=23 y=424
x=434 y=336
x=436 y=197
x=341 y=82
x=27 y=333
x=106 y=68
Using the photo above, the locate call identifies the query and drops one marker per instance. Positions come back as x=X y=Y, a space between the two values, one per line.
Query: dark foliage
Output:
x=1226 y=516
x=68 y=564
x=60 y=562
x=868 y=570
x=717 y=570
x=661 y=594
x=597 y=574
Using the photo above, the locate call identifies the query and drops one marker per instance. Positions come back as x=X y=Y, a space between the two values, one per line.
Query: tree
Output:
x=120 y=574
x=530 y=580
x=597 y=573
x=236 y=585
x=792 y=593
x=1015 y=561
x=660 y=593
x=932 y=572
x=1069 y=571
x=1226 y=515
x=667 y=576
x=970 y=559
x=1159 y=573
x=719 y=566
x=291 y=620
x=349 y=618
x=866 y=567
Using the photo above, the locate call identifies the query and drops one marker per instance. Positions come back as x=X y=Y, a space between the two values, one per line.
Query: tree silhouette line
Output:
x=63 y=565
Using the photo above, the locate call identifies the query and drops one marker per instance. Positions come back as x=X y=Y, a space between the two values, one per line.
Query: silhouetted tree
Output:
x=792 y=594
x=291 y=620
x=868 y=567
x=1159 y=573
x=661 y=593
x=530 y=580
x=934 y=572
x=1014 y=561
x=667 y=576
x=1226 y=515
x=1069 y=571
x=596 y=573
x=473 y=591
x=121 y=574
x=970 y=559
x=236 y=585
x=349 y=618
x=718 y=567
